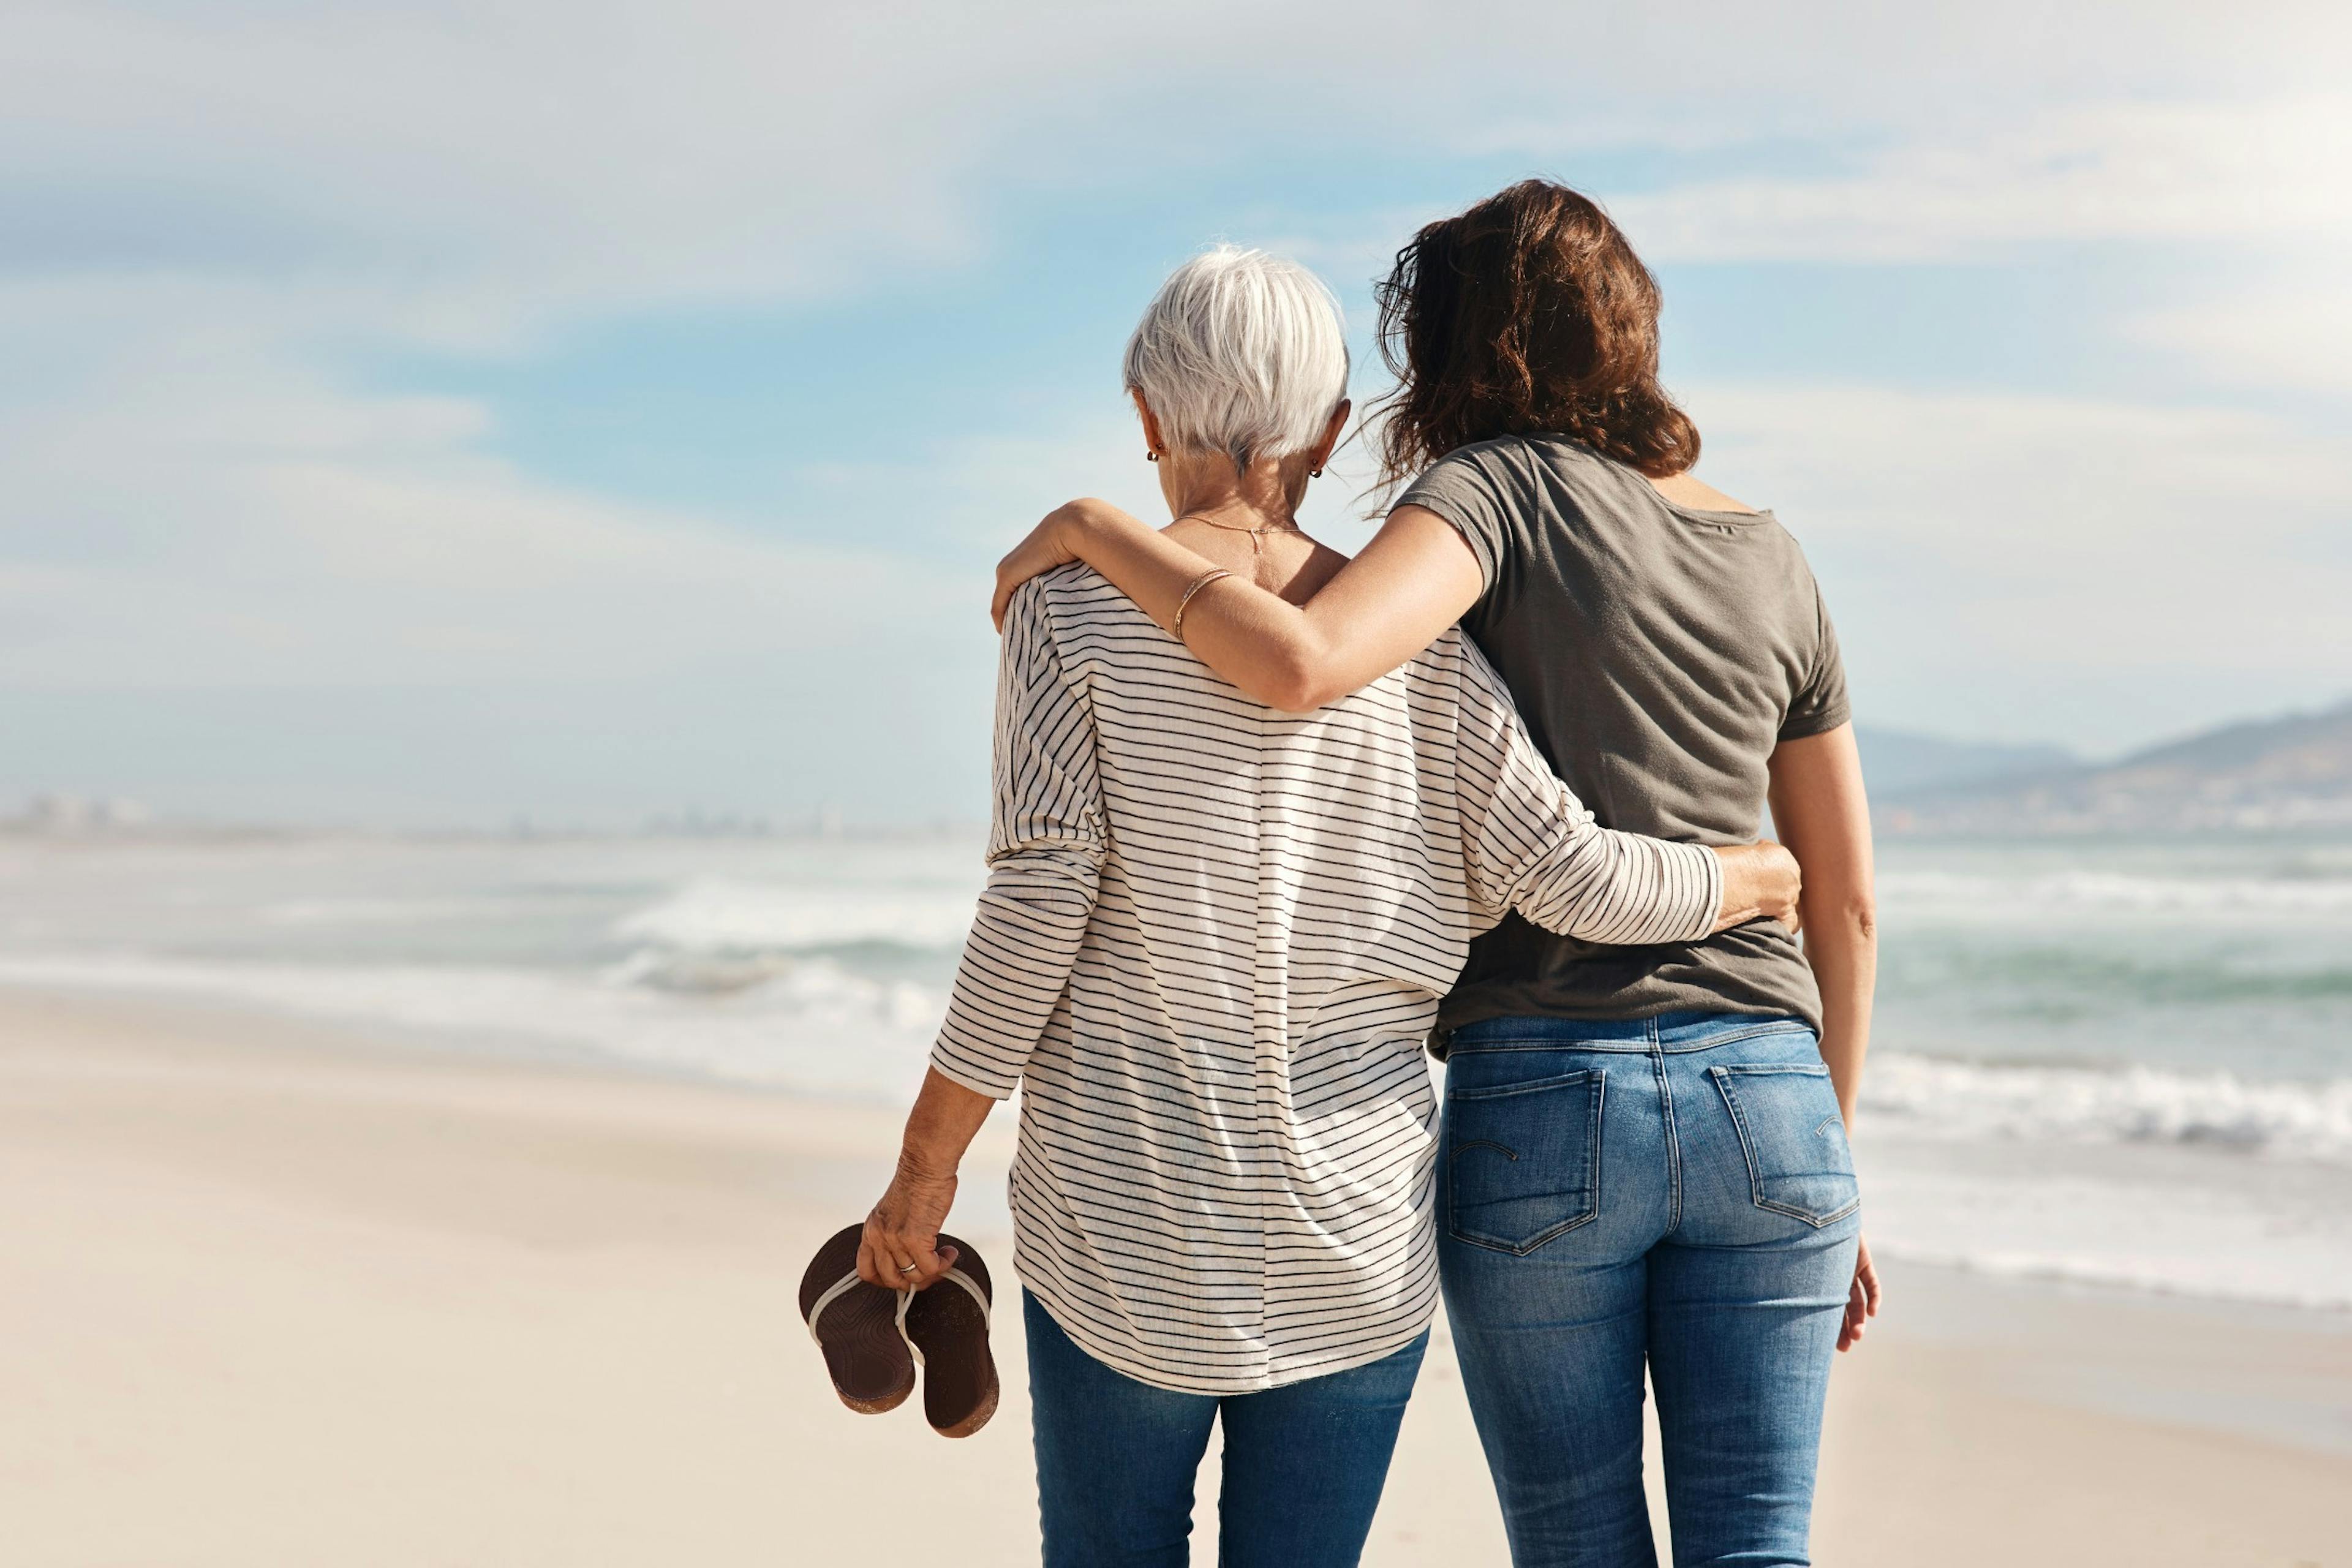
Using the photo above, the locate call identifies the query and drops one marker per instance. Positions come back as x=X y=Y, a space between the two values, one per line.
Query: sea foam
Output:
x=722 y=916
x=2133 y=1105
x=1945 y=893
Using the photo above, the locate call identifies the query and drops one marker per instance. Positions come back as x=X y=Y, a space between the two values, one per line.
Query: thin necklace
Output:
x=1257 y=535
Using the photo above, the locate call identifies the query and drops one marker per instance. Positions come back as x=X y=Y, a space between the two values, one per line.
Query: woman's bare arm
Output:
x=1823 y=817
x=1412 y=580
x=1821 y=813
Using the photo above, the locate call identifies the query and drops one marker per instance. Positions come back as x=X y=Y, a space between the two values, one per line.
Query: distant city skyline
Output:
x=421 y=418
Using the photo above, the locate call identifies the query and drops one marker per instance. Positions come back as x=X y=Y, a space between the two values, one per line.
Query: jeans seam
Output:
x=1738 y=1036
x=1674 y=1148
x=1627 y=1047
x=1534 y=1085
x=1592 y=1144
x=1650 y=1042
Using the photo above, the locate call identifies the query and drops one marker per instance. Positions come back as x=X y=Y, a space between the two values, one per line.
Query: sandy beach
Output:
x=278 y=1296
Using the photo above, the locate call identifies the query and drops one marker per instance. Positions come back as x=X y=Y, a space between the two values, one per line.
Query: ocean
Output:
x=2123 y=1063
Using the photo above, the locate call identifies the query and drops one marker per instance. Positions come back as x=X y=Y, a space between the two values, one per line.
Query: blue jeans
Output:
x=1304 y=1463
x=1675 y=1192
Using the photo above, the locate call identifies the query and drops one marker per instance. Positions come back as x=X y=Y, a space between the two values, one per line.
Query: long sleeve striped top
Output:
x=1212 y=944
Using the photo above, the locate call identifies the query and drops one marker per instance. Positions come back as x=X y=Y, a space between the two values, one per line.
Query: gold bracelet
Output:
x=1176 y=628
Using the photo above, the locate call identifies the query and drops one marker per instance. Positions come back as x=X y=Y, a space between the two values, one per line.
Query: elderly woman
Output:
x=1213 y=941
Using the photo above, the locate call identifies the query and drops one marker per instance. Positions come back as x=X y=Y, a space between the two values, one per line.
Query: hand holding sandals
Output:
x=863 y=1297
x=873 y=1337
x=900 y=1247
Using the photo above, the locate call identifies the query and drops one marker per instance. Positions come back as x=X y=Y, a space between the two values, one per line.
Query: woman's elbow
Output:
x=1297 y=683
x=1854 y=916
x=1301 y=695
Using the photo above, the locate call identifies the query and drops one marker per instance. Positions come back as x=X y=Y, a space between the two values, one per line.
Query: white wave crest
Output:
x=719 y=916
x=2136 y=1105
x=2322 y=1294
x=807 y=1025
x=2116 y=890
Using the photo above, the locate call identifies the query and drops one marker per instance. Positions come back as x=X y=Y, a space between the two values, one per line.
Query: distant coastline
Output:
x=2285 y=774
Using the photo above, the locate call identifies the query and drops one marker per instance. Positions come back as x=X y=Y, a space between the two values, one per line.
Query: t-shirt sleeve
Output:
x=1821 y=704
x=1472 y=489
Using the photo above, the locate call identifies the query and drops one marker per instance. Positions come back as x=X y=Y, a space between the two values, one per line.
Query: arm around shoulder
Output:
x=1412 y=580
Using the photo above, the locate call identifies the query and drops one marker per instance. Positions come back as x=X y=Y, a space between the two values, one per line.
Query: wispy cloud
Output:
x=216 y=222
x=2228 y=175
x=2294 y=335
x=2138 y=569
x=198 y=511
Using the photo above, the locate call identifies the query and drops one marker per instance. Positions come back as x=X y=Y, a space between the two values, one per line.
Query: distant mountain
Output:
x=1896 y=763
x=2295 y=772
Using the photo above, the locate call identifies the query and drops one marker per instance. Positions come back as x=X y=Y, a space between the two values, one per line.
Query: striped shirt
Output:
x=1213 y=941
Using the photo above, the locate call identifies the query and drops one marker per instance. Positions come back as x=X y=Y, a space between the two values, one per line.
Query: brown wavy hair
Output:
x=1528 y=314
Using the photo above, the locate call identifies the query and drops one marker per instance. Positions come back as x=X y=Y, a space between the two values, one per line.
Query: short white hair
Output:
x=1240 y=352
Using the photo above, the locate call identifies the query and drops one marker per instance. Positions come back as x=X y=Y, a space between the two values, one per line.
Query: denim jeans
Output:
x=1674 y=1191
x=1304 y=1463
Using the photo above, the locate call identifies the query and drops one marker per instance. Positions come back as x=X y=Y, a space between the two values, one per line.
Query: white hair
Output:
x=1240 y=352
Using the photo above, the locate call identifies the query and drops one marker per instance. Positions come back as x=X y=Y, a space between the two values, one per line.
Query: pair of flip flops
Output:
x=873 y=1339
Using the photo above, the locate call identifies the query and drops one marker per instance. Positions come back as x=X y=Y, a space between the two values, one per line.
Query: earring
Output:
x=1314 y=473
x=1149 y=456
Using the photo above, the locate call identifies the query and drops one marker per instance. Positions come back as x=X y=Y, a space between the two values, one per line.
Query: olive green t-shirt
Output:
x=1657 y=652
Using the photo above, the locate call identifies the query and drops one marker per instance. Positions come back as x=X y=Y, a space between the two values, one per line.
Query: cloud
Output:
x=481 y=170
x=2135 y=568
x=2294 y=334
x=484 y=166
x=214 y=219
x=2216 y=174
x=199 y=512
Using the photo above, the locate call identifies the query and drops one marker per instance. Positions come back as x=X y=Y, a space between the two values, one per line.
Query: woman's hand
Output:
x=1049 y=546
x=1861 y=1299
x=900 y=1249
x=1760 y=881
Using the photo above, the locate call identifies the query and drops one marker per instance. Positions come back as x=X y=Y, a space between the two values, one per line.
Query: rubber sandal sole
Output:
x=947 y=1324
x=857 y=1326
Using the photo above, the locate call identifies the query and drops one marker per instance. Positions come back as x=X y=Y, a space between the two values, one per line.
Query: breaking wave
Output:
x=2136 y=1105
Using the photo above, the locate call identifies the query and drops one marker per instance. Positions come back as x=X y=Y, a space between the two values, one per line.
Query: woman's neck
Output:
x=1207 y=486
x=1247 y=523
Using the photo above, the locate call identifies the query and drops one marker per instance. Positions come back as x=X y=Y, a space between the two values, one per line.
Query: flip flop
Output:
x=947 y=1325
x=857 y=1326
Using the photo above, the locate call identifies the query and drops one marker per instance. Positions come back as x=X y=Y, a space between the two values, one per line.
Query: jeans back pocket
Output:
x=1799 y=1163
x=1523 y=1160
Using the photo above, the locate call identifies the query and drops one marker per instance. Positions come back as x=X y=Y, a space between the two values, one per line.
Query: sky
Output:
x=430 y=414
